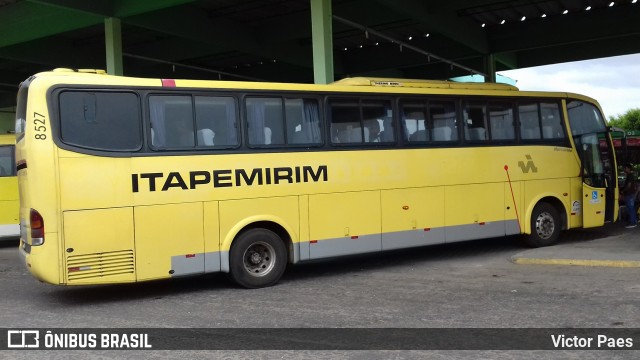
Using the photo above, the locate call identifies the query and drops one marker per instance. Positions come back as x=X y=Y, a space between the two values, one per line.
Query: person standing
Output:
x=629 y=195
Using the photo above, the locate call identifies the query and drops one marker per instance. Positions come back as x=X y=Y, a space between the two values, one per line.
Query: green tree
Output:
x=627 y=121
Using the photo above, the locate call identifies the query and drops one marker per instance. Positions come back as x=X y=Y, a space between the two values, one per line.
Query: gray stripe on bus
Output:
x=412 y=238
x=187 y=264
x=219 y=261
x=346 y=246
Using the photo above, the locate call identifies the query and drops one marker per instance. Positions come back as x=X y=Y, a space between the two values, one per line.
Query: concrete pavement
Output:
x=610 y=246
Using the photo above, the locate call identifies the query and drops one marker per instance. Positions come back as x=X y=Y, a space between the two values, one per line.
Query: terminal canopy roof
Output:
x=271 y=40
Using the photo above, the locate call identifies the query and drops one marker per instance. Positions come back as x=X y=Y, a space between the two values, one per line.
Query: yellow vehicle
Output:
x=9 y=203
x=128 y=179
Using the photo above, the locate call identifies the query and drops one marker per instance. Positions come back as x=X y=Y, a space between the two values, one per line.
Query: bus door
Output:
x=598 y=182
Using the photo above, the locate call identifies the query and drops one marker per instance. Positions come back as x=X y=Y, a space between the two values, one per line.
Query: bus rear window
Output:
x=21 y=109
x=101 y=120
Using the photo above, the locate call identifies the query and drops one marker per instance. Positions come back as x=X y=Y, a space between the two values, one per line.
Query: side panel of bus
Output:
x=474 y=211
x=412 y=217
x=344 y=223
x=9 y=202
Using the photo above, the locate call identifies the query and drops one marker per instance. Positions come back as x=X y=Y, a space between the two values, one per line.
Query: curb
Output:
x=578 y=262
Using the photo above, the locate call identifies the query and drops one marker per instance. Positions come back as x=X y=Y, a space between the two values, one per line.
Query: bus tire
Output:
x=257 y=258
x=545 y=226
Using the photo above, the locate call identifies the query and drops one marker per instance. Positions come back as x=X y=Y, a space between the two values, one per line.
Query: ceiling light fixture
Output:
x=565 y=12
x=588 y=8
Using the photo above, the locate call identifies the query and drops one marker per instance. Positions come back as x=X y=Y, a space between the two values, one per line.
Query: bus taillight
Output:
x=37 y=228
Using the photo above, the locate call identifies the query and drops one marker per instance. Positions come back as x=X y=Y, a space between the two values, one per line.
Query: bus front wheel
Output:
x=545 y=226
x=257 y=258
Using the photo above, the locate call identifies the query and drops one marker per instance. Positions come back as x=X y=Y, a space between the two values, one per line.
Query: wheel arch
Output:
x=276 y=225
x=551 y=200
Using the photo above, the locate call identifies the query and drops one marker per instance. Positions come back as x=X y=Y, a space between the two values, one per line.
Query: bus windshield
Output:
x=584 y=118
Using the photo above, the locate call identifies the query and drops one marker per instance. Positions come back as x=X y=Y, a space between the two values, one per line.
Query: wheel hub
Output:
x=259 y=259
x=545 y=225
x=255 y=258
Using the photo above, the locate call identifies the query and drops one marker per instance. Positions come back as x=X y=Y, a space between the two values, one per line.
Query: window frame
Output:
x=396 y=102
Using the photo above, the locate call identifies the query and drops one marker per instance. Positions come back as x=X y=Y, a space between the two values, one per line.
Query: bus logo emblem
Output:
x=528 y=166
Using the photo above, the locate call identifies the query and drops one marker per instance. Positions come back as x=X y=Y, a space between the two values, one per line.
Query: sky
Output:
x=613 y=81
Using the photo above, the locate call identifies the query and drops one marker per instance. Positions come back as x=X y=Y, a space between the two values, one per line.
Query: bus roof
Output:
x=353 y=84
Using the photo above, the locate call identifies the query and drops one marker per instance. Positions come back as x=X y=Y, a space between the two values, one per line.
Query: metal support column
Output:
x=490 y=68
x=322 y=35
x=113 y=41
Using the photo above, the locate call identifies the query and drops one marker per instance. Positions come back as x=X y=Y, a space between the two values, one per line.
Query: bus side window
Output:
x=475 y=121
x=345 y=121
x=216 y=121
x=443 y=118
x=529 y=121
x=303 y=121
x=7 y=167
x=265 y=121
x=377 y=121
x=501 y=121
x=551 y=121
x=101 y=120
x=171 y=121
x=414 y=123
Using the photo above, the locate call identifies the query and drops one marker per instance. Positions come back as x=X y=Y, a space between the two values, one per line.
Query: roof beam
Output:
x=25 y=21
x=34 y=19
x=114 y=8
x=196 y=25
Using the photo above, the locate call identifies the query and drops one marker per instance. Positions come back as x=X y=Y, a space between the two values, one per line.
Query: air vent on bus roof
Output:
x=420 y=83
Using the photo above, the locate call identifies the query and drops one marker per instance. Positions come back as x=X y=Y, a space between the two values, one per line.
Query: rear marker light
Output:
x=37 y=228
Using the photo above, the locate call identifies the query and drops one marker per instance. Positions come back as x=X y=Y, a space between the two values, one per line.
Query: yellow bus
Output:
x=9 y=204
x=128 y=179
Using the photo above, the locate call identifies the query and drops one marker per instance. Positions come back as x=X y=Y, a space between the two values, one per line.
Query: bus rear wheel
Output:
x=545 y=226
x=257 y=258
